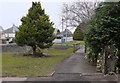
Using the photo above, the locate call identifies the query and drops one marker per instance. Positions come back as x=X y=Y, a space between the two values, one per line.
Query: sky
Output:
x=12 y=11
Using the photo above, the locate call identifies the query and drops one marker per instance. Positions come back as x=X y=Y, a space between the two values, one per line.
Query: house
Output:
x=57 y=33
x=67 y=33
x=64 y=36
x=2 y=35
x=10 y=33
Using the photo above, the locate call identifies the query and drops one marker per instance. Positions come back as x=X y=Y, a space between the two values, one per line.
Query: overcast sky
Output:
x=11 y=11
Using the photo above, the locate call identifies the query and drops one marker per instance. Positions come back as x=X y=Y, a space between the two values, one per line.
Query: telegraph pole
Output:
x=62 y=25
x=66 y=26
x=62 y=40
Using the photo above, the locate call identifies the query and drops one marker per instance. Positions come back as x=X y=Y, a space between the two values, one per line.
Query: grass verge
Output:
x=14 y=65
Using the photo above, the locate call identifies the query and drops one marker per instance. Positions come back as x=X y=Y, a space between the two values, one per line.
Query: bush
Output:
x=78 y=34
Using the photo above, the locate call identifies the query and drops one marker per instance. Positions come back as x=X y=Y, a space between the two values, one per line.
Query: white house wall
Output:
x=9 y=34
x=2 y=36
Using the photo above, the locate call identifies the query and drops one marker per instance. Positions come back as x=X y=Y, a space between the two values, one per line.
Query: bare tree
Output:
x=78 y=13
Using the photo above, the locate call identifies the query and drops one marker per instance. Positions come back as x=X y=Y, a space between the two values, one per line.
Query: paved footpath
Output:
x=76 y=68
x=76 y=64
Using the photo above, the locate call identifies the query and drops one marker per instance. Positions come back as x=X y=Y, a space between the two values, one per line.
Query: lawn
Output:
x=14 y=65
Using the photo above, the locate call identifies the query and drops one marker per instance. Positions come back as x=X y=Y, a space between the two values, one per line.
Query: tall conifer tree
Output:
x=36 y=29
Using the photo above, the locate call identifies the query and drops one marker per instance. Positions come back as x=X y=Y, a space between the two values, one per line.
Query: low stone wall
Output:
x=75 y=46
x=61 y=46
x=14 y=48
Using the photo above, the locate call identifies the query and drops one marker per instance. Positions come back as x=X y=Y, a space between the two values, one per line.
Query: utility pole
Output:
x=66 y=26
x=62 y=25
x=62 y=40
x=66 y=31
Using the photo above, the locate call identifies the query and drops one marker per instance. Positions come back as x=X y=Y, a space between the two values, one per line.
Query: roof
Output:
x=1 y=29
x=13 y=29
x=67 y=31
x=55 y=31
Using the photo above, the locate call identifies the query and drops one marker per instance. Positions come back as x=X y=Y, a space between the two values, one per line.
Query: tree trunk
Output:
x=95 y=59
x=85 y=47
x=105 y=68
x=34 y=50
x=118 y=61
